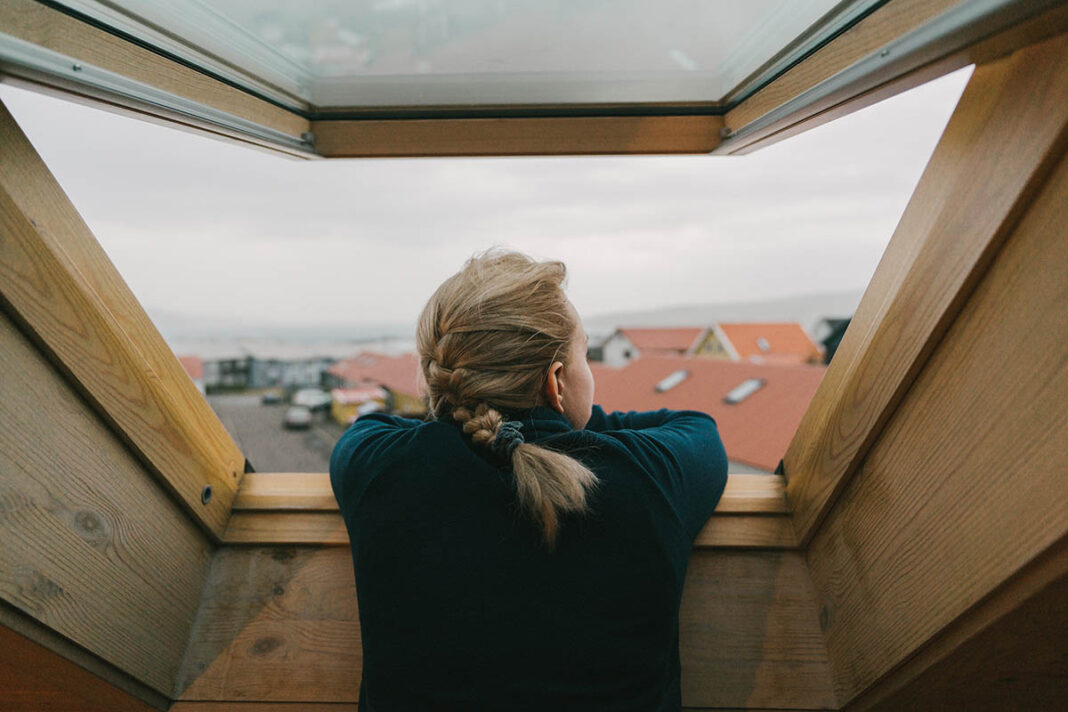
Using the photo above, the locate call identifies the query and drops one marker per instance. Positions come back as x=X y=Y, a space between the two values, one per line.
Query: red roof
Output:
x=755 y=431
x=786 y=342
x=397 y=373
x=663 y=339
x=194 y=366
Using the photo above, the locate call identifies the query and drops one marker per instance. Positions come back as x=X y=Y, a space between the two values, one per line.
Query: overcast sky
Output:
x=209 y=229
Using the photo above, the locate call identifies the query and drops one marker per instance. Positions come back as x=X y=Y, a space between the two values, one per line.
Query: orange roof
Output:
x=663 y=339
x=397 y=373
x=785 y=342
x=755 y=431
x=193 y=365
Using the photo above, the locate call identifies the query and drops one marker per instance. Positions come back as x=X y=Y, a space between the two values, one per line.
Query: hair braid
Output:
x=485 y=340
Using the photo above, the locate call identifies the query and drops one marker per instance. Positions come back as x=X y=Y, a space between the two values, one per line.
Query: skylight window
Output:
x=671 y=381
x=747 y=388
x=763 y=344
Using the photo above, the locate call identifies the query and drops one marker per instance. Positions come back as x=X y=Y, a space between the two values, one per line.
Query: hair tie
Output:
x=508 y=439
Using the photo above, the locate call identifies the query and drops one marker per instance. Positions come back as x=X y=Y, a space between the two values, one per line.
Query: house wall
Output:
x=710 y=347
x=618 y=350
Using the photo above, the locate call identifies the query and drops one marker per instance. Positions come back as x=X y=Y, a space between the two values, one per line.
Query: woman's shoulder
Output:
x=378 y=440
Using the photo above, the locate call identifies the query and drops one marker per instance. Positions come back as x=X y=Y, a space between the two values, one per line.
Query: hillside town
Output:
x=287 y=406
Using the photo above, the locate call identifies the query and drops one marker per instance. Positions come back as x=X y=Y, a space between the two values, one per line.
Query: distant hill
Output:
x=178 y=327
x=805 y=309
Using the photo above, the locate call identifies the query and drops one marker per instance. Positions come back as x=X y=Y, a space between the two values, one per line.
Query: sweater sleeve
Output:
x=361 y=452
x=681 y=450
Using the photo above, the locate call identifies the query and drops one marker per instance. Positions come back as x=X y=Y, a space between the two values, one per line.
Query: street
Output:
x=257 y=430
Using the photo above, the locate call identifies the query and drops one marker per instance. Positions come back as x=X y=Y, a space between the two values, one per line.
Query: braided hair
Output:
x=486 y=340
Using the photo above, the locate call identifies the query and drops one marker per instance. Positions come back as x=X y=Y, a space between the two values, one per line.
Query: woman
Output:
x=521 y=549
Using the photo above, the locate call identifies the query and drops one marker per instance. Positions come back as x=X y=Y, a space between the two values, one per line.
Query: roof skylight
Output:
x=672 y=380
x=747 y=388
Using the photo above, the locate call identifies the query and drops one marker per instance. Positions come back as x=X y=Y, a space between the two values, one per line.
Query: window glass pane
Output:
x=341 y=53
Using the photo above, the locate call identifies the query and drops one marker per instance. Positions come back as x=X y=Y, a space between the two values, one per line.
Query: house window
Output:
x=747 y=388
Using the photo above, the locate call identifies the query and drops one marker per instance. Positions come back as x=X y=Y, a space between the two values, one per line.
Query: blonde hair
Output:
x=486 y=340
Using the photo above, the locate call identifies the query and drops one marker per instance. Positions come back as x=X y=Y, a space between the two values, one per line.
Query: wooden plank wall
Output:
x=966 y=485
x=280 y=624
x=93 y=548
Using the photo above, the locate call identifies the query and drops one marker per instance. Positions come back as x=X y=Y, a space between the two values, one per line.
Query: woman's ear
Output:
x=554 y=389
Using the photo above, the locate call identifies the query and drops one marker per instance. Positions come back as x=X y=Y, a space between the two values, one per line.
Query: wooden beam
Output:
x=299 y=508
x=965 y=486
x=52 y=30
x=281 y=625
x=279 y=528
x=1005 y=136
x=91 y=548
x=311 y=492
x=62 y=288
x=517 y=136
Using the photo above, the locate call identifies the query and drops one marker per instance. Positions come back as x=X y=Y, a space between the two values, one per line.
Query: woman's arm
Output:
x=632 y=420
x=681 y=450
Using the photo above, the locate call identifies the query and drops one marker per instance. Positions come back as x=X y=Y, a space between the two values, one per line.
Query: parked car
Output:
x=312 y=398
x=271 y=398
x=297 y=417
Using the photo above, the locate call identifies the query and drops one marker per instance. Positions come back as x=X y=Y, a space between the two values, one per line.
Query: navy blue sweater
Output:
x=461 y=604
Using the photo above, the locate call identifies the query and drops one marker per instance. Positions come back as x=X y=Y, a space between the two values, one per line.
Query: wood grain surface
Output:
x=1005 y=136
x=966 y=485
x=48 y=28
x=276 y=624
x=92 y=547
x=517 y=136
x=311 y=492
x=299 y=508
x=1006 y=653
x=62 y=287
x=280 y=624
x=729 y=531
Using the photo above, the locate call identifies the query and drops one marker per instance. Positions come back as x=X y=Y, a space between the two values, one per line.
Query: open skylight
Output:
x=389 y=53
x=671 y=381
